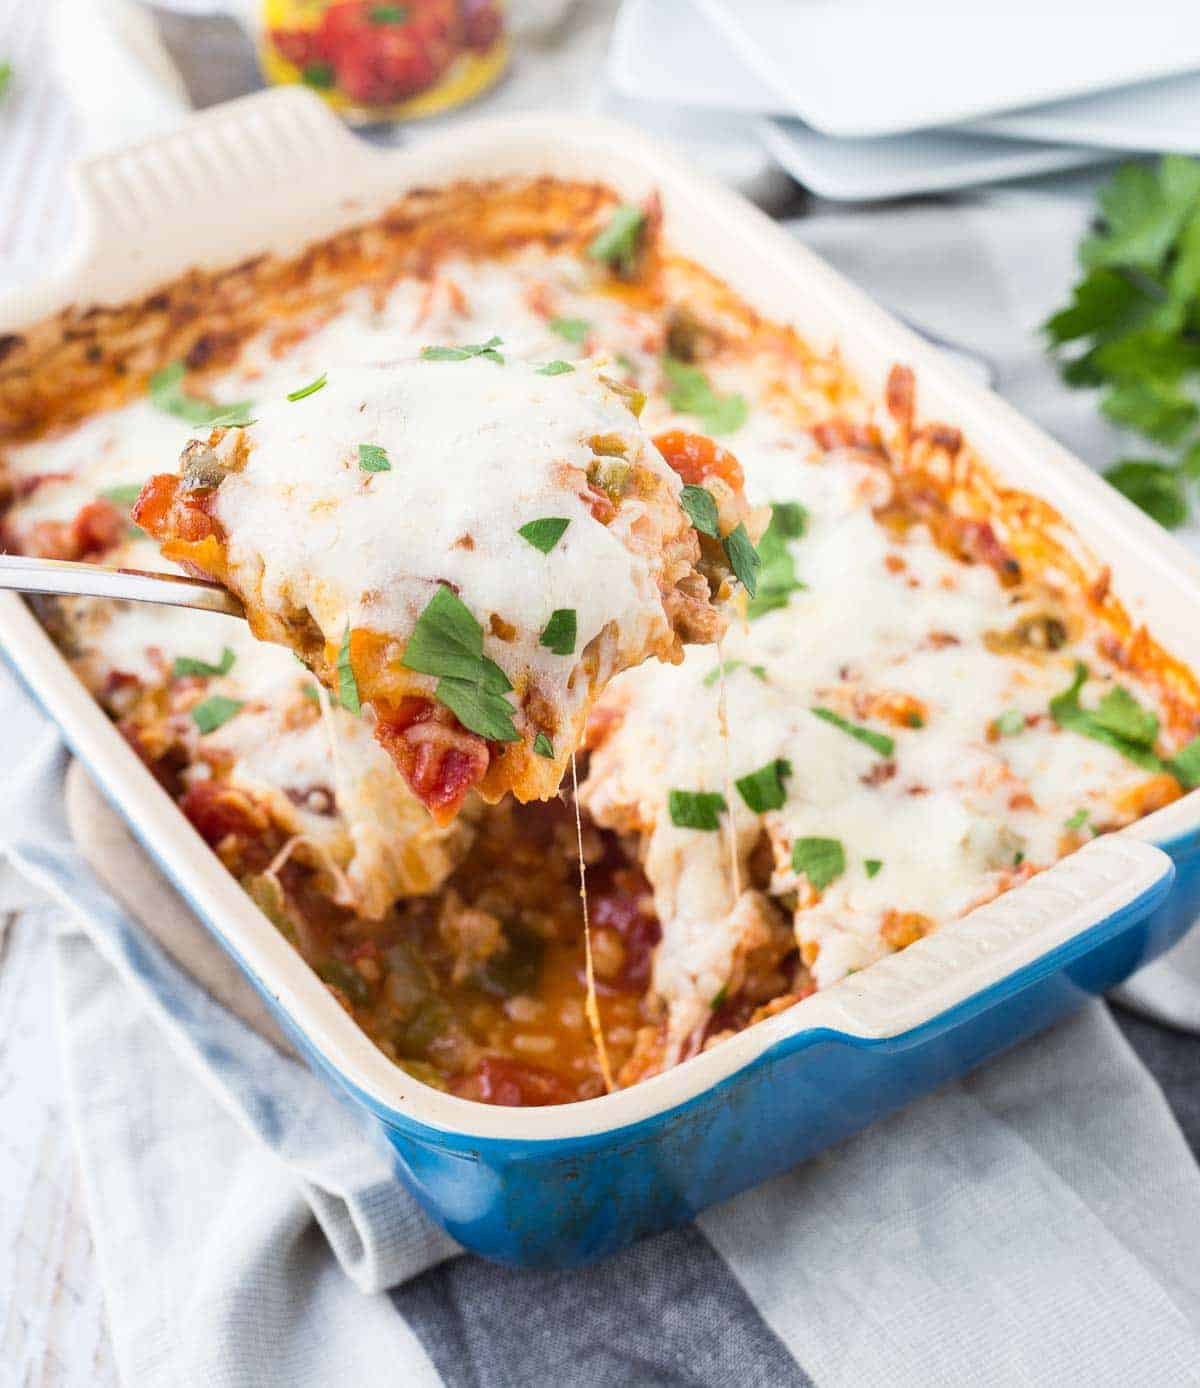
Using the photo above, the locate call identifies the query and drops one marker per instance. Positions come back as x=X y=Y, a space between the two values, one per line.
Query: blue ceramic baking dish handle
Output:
x=825 y=1070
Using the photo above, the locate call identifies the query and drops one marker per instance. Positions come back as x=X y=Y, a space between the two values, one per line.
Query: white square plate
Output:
x=881 y=67
x=670 y=53
x=894 y=166
x=1162 y=116
x=667 y=54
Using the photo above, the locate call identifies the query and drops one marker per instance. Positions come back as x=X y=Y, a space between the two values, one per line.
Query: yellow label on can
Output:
x=376 y=61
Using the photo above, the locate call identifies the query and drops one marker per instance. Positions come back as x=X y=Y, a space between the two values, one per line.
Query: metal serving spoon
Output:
x=66 y=579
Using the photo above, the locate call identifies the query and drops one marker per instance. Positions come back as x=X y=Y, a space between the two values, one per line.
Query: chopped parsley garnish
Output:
x=743 y=558
x=543 y=746
x=310 y=389
x=447 y=641
x=479 y=707
x=872 y=865
x=372 y=458
x=1185 y=765
x=1120 y=713
x=820 y=860
x=189 y=665
x=763 y=790
x=559 y=633
x=618 y=243
x=238 y=417
x=320 y=75
x=691 y=392
x=1121 y=723
x=701 y=509
x=1018 y=857
x=572 y=329
x=555 y=368
x=6 y=75
x=1118 y=720
x=777 y=579
x=167 y=394
x=1131 y=327
x=879 y=742
x=1010 y=723
x=347 y=684
x=1157 y=488
x=478 y=349
x=545 y=532
x=215 y=711
x=1077 y=820
x=719 y=1001
x=727 y=667
x=310 y=691
x=124 y=495
x=387 y=14
x=696 y=809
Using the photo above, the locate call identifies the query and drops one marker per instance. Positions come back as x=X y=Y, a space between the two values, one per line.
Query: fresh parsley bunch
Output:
x=1133 y=327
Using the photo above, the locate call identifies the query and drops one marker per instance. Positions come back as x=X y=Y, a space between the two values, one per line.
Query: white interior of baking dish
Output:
x=277 y=170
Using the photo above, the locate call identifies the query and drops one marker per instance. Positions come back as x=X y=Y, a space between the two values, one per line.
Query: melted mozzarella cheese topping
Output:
x=476 y=450
x=950 y=815
x=372 y=833
x=858 y=627
x=358 y=815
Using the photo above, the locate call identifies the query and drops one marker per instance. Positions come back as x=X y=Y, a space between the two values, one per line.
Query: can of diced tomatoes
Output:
x=374 y=61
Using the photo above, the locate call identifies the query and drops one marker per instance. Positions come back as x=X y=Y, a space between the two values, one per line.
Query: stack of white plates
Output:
x=865 y=99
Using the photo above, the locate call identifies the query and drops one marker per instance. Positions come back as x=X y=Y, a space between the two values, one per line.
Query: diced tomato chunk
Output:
x=981 y=543
x=696 y=458
x=168 y=513
x=155 y=502
x=218 y=811
x=296 y=45
x=436 y=755
x=482 y=24
x=96 y=528
x=600 y=504
x=620 y=909
x=380 y=61
x=512 y=1083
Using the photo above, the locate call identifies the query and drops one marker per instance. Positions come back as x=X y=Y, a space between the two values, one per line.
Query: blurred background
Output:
x=949 y=157
x=833 y=101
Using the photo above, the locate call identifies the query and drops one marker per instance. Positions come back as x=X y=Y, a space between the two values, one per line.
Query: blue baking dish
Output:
x=563 y=1186
x=564 y=1201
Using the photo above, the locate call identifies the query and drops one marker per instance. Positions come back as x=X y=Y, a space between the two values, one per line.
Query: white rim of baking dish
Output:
x=294 y=174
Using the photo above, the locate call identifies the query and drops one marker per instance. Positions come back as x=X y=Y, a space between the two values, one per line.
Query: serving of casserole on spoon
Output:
x=468 y=547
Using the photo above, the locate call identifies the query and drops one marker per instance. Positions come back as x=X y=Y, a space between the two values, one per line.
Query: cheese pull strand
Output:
x=735 y=867
x=591 y=1006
